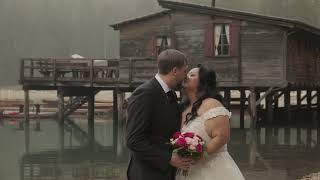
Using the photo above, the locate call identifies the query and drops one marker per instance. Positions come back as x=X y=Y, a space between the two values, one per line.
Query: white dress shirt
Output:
x=164 y=85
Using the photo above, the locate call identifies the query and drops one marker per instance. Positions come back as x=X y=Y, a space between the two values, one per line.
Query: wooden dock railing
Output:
x=86 y=72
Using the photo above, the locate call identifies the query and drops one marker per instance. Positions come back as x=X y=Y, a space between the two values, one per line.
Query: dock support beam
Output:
x=318 y=105
x=253 y=108
x=287 y=105
x=122 y=117
x=269 y=108
x=91 y=109
x=26 y=105
x=60 y=107
x=115 y=119
x=227 y=98
x=242 y=107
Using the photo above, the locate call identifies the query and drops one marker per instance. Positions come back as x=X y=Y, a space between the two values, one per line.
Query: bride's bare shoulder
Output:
x=210 y=103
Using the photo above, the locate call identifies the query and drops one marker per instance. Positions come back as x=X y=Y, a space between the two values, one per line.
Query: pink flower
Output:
x=189 y=140
x=199 y=137
x=194 y=142
x=199 y=148
x=181 y=142
x=176 y=135
x=192 y=147
x=188 y=134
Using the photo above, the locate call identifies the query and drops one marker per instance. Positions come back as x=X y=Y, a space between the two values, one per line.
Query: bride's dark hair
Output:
x=207 y=89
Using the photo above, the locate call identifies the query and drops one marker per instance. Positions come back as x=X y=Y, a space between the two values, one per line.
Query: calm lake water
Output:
x=46 y=151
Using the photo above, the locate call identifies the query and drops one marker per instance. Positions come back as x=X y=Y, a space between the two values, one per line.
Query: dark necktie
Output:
x=172 y=96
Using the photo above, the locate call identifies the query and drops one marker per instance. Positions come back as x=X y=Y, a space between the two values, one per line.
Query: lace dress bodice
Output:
x=198 y=124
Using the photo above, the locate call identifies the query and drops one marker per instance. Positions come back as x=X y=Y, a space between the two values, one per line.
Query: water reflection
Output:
x=277 y=153
x=89 y=160
x=78 y=150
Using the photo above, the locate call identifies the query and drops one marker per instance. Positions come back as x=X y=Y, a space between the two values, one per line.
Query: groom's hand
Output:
x=182 y=163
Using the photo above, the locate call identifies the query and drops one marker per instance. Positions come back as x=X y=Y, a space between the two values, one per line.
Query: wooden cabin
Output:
x=246 y=50
x=263 y=54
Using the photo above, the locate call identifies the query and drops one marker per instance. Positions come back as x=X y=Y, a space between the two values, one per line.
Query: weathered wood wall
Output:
x=136 y=39
x=261 y=60
x=262 y=54
x=303 y=58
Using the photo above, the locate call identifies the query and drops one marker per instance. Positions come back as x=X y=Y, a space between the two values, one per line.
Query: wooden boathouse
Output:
x=263 y=58
x=270 y=56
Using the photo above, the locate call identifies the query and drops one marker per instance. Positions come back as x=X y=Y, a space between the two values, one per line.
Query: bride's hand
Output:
x=179 y=162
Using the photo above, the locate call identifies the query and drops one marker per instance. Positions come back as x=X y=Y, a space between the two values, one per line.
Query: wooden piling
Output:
x=287 y=104
x=27 y=138
x=227 y=98
x=115 y=119
x=309 y=98
x=253 y=109
x=122 y=117
x=258 y=96
x=318 y=106
x=60 y=106
x=26 y=105
x=269 y=108
x=299 y=99
x=242 y=107
x=91 y=109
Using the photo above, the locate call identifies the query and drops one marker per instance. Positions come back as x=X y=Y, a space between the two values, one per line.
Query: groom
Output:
x=153 y=117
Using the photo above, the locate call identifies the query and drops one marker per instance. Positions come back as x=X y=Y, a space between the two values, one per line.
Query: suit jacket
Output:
x=152 y=120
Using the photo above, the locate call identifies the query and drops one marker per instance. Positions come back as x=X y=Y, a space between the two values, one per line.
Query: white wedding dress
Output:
x=217 y=166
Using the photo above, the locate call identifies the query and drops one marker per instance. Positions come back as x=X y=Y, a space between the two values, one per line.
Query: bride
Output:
x=205 y=115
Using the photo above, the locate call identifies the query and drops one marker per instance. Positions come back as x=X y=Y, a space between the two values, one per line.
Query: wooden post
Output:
x=22 y=71
x=269 y=109
x=276 y=97
x=227 y=98
x=242 y=107
x=298 y=98
x=318 y=105
x=91 y=108
x=258 y=95
x=26 y=105
x=253 y=148
x=287 y=104
x=60 y=106
x=61 y=136
x=27 y=137
x=309 y=99
x=122 y=117
x=252 y=108
x=37 y=128
x=115 y=119
x=31 y=69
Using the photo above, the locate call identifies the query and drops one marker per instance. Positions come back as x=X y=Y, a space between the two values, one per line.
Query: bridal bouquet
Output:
x=187 y=145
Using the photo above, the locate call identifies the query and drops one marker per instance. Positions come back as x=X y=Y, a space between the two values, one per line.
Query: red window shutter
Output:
x=209 y=40
x=234 y=38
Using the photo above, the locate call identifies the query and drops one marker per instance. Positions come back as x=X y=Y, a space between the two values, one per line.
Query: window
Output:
x=163 y=43
x=222 y=40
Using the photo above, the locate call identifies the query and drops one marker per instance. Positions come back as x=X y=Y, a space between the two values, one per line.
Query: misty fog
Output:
x=59 y=28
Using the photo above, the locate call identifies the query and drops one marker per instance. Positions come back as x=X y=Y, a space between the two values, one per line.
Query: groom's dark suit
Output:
x=152 y=119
